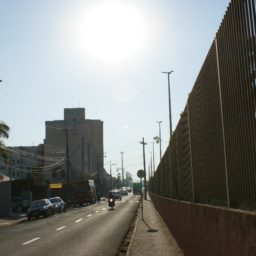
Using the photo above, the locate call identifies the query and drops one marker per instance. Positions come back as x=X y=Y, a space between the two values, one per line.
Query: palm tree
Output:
x=4 y=133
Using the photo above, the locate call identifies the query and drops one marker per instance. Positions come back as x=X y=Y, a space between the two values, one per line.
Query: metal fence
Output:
x=211 y=157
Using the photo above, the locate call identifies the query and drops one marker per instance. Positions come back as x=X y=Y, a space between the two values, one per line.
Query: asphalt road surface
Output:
x=90 y=230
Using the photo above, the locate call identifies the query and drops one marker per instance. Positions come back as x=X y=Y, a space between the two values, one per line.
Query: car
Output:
x=42 y=207
x=117 y=194
x=124 y=192
x=58 y=203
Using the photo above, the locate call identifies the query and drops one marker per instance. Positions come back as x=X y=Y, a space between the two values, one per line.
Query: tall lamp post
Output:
x=169 y=96
x=159 y=139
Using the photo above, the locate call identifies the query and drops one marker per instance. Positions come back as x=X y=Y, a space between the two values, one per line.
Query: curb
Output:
x=134 y=230
x=129 y=235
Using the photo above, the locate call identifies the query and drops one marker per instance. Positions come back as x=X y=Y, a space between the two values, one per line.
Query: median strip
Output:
x=31 y=241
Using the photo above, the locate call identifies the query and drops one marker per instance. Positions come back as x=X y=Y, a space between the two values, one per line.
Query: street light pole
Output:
x=169 y=97
x=160 y=139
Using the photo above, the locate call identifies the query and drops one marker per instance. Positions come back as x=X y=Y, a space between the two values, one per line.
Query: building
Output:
x=82 y=141
x=21 y=162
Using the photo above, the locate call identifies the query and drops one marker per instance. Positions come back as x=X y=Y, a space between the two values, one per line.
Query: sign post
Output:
x=141 y=174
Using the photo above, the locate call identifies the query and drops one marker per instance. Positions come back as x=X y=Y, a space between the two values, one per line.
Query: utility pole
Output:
x=144 y=165
x=67 y=165
x=111 y=179
x=82 y=155
x=169 y=97
x=118 y=177
x=99 y=170
x=122 y=166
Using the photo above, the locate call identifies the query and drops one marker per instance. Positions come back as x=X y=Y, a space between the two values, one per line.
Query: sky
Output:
x=107 y=57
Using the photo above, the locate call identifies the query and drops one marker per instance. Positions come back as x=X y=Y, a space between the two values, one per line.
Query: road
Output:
x=89 y=230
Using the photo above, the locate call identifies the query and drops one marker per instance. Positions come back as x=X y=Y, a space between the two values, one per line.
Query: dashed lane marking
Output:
x=103 y=209
x=137 y=201
x=79 y=220
x=89 y=215
x=31 y=241
x=97 y=211
x=60 y=228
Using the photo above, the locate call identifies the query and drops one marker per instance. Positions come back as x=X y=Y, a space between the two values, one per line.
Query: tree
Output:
x=4 y=133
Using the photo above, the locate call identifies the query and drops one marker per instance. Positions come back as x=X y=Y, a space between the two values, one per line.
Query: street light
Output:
x=169 y=96
x=159 y=139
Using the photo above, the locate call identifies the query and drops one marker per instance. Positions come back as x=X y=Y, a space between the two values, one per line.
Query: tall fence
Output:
x=211 y=157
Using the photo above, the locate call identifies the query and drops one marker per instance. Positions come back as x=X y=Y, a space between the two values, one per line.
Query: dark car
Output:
x=42 y=207
x=117 y=194
x=124 y=192
x=58 y=203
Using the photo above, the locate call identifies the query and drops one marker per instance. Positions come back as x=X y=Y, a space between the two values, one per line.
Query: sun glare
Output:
x=112 y=31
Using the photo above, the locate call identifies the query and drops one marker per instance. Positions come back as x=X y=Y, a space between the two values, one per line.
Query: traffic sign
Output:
x=55 y=185
x=141 y=173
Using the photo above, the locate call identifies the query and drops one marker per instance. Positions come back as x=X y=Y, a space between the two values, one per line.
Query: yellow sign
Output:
x=56 y=185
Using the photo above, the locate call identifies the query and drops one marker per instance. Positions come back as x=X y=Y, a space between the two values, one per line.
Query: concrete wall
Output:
x=202 y=230
x=5 y=199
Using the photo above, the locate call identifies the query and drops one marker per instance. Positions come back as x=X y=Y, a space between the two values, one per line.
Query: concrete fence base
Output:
x=203 y=230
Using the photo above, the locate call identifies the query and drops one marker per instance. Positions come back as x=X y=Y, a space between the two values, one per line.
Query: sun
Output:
x=112 y=31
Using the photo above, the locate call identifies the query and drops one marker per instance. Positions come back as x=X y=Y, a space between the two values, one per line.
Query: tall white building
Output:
x=82 y=142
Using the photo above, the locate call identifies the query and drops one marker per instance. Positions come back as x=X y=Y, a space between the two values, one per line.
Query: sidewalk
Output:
x=14 y=219
x=151 y=235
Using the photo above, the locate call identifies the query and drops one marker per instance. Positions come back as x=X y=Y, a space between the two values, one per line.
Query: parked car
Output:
x=42 y=207
x=117 y=194
x=58 y=203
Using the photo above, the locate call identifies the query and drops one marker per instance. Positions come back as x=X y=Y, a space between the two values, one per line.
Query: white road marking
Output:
x=79 y=220
x=89 y=215
x=60 y=228
x=97 y=211
x=137 y=201
x=130 y=201
x=31 y=241
x=103 y=209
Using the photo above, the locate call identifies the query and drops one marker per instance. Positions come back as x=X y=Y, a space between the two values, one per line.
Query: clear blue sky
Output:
x=105 y=56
